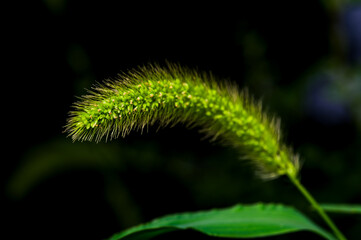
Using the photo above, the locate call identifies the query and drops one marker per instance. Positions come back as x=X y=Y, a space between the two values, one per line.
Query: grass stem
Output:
x=317 y=207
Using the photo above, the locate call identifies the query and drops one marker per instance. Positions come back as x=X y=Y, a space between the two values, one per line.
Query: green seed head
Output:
x=170 y=95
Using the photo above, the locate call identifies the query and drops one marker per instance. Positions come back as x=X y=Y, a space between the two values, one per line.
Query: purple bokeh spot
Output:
x=351 y=28
x=324 y=103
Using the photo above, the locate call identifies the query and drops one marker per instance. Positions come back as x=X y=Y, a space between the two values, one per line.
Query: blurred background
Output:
x=302 y=59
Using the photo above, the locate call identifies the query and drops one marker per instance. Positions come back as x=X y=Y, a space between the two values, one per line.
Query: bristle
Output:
x=170 y=95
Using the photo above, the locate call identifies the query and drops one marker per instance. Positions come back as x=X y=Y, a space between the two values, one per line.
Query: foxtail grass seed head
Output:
x=171 y=95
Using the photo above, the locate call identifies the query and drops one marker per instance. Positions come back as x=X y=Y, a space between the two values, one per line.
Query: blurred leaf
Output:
x=58 y=156
x=56 y=6
x=342 y=208
x=240 y=221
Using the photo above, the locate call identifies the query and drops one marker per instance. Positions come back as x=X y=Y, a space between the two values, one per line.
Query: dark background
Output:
x=301 y=58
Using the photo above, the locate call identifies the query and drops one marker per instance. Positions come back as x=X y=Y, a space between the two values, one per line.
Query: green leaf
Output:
x=240 y=221
x=342 y=208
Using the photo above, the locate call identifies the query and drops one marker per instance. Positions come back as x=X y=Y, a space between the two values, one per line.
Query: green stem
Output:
x=317 y=207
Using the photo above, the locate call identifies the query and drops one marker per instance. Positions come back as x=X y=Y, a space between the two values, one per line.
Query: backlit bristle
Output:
x=170 y=95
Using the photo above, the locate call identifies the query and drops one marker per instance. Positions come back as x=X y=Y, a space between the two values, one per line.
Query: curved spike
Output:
x=171 y=95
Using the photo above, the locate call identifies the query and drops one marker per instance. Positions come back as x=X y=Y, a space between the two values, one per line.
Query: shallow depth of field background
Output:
x=302 y=59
